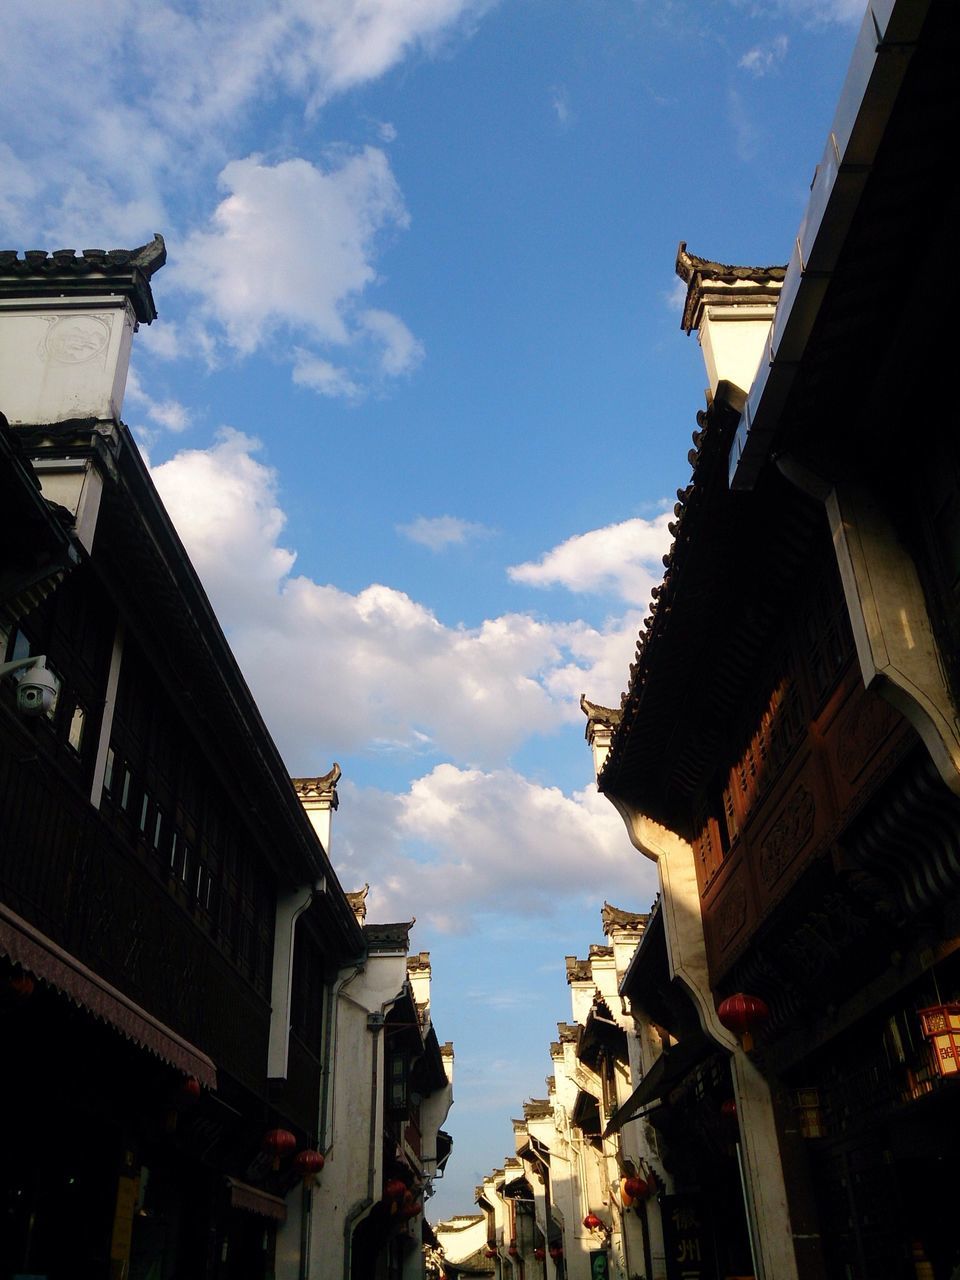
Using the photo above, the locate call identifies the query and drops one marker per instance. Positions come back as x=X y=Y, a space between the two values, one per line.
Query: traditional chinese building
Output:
x=174 y=943
x=579 y=1199
x=390 y=1089
x=787 y=748
x=462 y=1241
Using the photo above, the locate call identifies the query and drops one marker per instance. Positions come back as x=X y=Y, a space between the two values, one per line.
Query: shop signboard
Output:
x=687 y=1238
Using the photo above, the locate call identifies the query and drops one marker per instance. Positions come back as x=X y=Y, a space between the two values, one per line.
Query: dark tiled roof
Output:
x=696 y=654
x=394 y=936
x=307 y=788
x=477 y=1264
x=693 y=271
x=614 y=918
x=94 y=272
x=596 y=713
x=537 y=1109
x=577 y=970
x=598 y=951
x=358 y=902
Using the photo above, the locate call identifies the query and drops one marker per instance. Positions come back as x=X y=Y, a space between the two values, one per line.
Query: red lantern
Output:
x=189 y=1091
x=490 y=1251
x=395 y=1189
x=592 y=1222
x=279 y=1143
x=186 y=1094
x=633 y=1189
x=21 y=986
x=513 y=1251
x=539 y=1253
x=556 y=1252
x=729 y=1109
x=307 y=1164
x=741 y=1013
x=410 y=1208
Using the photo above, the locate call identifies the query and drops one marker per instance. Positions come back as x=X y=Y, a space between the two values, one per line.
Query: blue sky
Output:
x=418 y=399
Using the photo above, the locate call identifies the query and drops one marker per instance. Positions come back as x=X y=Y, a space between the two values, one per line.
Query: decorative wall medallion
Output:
x=791 y=831
x=860 y=732
x=731 y=914
x=76 y=339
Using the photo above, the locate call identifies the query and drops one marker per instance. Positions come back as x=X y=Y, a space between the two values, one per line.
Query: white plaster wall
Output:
x=734 y=339
x=349 y=1181
x=76 y=485
x=581 y=1000
x=289 y=1236
x=419 y=979
x=433 y=1112
x=635 y=1140
x=62 y=359
x=566 y=1169
x=459 y=1239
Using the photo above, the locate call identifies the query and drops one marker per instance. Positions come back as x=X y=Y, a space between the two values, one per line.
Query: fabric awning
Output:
x=39 y=955
x=253 y=1200
x=668 y=1070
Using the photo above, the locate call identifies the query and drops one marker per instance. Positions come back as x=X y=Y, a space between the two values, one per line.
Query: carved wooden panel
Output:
x=729 y=914
x=862 y=740
x=790 y=829
x=790 y=832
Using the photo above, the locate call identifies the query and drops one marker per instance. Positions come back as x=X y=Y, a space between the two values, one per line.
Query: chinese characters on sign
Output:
x=687 y=1239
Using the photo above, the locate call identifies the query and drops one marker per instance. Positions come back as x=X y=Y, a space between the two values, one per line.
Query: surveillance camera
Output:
x=36 y=687
x=36 y=692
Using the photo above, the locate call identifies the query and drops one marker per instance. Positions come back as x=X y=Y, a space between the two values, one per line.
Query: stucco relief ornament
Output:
x=76 y=339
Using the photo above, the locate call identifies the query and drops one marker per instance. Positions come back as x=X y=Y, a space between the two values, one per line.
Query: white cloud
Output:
x=291 y=250
x=291 y=245
x=376 y=670
x=161 y=339
x=762 y=59
x=223 y=503
x=468 y=841
x=817 y=12
x=111 y=102
x=676 y=296
x=171 y=415
x=440 y=532
x=747 y=132
x=560 y=101
x=313 y=371
x=624 y=558
x=401 y=351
